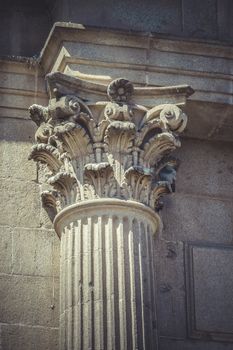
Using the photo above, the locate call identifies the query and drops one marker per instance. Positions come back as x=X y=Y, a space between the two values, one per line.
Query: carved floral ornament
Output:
x=106 y=146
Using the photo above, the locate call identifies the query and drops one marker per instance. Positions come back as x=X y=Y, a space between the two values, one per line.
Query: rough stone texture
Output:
x=107 y=279
x=39 y=256
x=5 y=249
x=105 y=189
x=16 y=139
x=206 y=218
x=29 y=258
x=28 y=300
x=194 y=251
x=15 y=209
x=26 y=26
x=211 y=275
x=170 y=291
x=22 y=337
x=146 y=59
x=216 y=158
x=21 y=84
x=176 y=344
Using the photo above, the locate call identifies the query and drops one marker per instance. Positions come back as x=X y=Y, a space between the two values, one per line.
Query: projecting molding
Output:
x=143 y=58
x=150 y=59
x=107 y=141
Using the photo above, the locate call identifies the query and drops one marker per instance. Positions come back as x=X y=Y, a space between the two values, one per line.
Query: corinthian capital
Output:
x=109 y=141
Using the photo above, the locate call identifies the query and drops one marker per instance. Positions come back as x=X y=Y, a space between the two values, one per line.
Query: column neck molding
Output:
x=98 y=207
x=108 y=141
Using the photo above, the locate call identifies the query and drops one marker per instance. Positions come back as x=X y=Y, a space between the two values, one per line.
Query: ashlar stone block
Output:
x=5 y=249
x=35 y=252
x=21 y=337
x=34 y=303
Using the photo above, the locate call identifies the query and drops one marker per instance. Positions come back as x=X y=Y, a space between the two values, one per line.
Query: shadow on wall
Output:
x=25 y=25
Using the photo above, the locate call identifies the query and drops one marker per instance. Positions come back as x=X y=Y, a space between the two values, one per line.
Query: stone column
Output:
x=107 y=277
x=108 y=166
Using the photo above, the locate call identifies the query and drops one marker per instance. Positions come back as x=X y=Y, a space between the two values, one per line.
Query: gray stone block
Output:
x=97 y=52
x=197 y=63
x=14 y=161
x=12 y=80
x=205 y=168
x=20 y=337
x=210 y=291
x=28 y=300
x=35 y=252
x=135 y=76
x=5 y=249
x=187 y=217
x=179 y=344
x=14 y=130
x=224 y=18
x=155 y=16
x=170 y=299
x=16 y=139
x=199 y=18
x=22 y=203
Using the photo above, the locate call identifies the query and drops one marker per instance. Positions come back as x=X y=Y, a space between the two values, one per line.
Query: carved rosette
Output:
x=114 y=148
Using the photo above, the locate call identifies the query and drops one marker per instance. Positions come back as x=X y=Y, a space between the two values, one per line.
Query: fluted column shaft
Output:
x=107 y=277
x=107 y=150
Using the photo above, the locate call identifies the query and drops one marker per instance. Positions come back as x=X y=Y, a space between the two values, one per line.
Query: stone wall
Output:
x=25 y=25
x=29 y=259
x=194 y=251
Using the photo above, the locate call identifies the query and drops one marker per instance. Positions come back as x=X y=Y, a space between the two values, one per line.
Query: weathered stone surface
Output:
x=199 y=19
x=210 y=295
x=135 y=76
x=107 y=277
x=5 y=249
x=170 y=295
x=14 y=161
x=35 y=252
x=178 y=344
x=22 y=337
x=168 y=61
x=110 y=149
x=195 y=218
x=108 y=165
x=29 y=300
x=27 y=27
x=196 y=64
x=210 y=121
x=87 y=50
x=15 y=211
x=12 y=130
x=17 y=80
x=162 y=16
x=21 y=84
x=212 y=164
x=210 y=20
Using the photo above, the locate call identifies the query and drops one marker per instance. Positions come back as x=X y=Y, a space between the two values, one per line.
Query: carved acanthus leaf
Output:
x=47 y=154
x=106 y=149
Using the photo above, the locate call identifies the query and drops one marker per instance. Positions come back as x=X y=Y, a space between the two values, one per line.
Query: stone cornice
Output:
x=22 y=82
x=164 y=61
x=154 y=59
x=111 y=147
x=63 y=31
x=146 y=59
